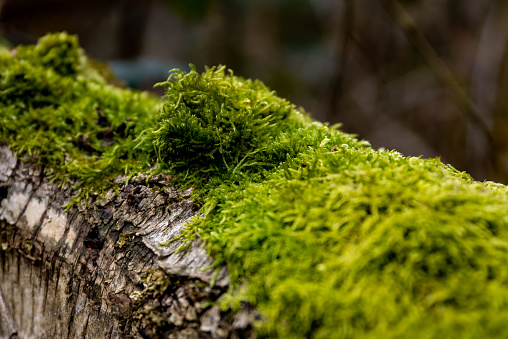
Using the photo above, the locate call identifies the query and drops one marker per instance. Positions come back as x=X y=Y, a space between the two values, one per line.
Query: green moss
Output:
x=212 y=122
x=326 y=236
x=124 y=239
x=58 y=110
x=218 y=128
x=366 y=244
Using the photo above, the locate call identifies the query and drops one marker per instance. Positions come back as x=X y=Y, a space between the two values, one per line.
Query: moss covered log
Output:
x=325 y=236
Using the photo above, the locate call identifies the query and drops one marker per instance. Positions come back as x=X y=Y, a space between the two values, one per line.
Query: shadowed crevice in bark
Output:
x=4 y=190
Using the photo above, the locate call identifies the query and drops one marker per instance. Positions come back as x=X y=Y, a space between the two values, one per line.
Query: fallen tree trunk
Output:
x=97 y=270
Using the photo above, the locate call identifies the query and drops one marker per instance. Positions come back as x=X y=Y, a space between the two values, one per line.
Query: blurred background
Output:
x=424 y=77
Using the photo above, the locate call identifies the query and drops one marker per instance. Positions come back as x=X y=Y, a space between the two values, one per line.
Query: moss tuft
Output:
x=224 y=129
x=59 y=111
x=59 y=52
x=213 y=122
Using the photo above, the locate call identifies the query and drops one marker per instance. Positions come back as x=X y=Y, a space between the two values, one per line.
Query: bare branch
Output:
x=463 y=101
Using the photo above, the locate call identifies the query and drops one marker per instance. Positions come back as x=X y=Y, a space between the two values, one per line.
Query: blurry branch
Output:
x=489 y=56
x=338 y=78
x=463 y=101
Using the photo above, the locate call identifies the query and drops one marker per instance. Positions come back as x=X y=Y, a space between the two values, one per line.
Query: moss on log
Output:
x=322 y=235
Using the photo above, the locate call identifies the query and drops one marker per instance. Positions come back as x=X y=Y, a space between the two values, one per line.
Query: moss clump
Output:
x=213 y=122
x=326 y=236
x=59 y=52
x=218 y=128
x=364 y=243
x=57 y=109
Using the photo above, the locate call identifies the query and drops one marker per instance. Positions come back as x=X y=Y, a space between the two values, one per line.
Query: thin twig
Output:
x=463 y=101
x=338 y=78
x=489 y=57
x=7 y=317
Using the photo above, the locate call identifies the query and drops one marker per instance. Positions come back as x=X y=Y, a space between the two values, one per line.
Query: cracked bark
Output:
x=97 y=270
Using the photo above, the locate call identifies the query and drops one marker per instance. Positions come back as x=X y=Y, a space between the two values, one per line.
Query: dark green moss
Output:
x=218 y=124
x=326 y=236
x=218 y=128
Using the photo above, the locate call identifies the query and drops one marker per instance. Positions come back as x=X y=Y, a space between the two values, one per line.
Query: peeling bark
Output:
x=97 y=270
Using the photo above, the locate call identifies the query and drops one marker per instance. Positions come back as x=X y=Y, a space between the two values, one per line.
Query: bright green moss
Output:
x=326 y=236
x=218 y=128
x=329 y=238
x=59 y=111
x=216 y=125
x=213 y=122
x=59 y=52
x=365 y=243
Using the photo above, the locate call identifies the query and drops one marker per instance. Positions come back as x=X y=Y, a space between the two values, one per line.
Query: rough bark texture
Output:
x=97 y=270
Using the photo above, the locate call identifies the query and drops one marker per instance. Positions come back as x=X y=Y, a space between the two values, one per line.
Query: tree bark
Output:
x=97 y=270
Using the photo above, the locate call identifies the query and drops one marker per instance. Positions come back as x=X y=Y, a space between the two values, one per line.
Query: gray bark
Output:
x=97 y=270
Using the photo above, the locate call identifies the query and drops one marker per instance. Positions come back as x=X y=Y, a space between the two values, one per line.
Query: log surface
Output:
x=97 y=270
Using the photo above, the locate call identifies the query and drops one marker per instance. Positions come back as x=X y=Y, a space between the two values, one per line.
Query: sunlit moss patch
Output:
x=364 y=243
